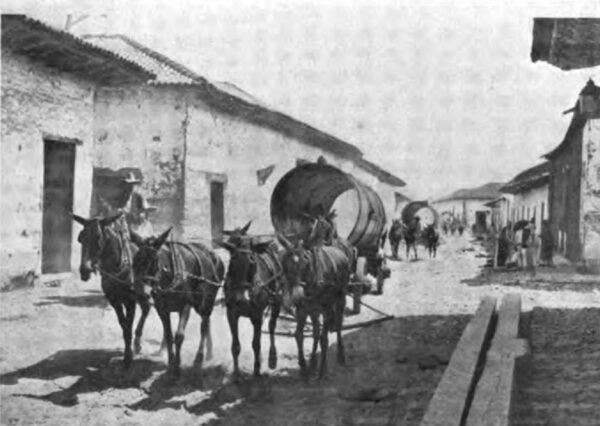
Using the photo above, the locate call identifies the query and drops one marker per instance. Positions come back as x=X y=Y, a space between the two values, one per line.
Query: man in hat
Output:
x=136 y=208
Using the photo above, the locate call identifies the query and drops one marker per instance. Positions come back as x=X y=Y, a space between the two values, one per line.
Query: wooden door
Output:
x=59 y=168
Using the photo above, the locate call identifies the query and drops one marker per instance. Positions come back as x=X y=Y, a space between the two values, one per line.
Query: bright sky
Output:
x=443 y=93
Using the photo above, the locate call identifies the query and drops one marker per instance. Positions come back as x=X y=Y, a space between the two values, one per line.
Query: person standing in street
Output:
x=530 y=244
x=547 y=249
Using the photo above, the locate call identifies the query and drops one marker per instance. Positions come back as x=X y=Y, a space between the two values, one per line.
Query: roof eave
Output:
x=68 y=53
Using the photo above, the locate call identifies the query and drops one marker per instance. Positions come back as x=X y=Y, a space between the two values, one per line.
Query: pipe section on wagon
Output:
x=310 y=188
x=413 y=208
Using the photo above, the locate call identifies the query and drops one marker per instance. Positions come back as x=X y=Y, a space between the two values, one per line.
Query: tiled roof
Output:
x=489 y=191
x=227 y=96
x=381 y=174
x=166 y=70
x=566 y=43
x=64 y=51
x=531 y=178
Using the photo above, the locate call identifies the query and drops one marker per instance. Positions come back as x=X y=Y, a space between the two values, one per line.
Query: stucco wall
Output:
x=565 y=197
x=38 y=101
x=224 y=147
x=531 y=203
x=590 y=194
x=181 y=144
x=468 y=208
x=144 y=127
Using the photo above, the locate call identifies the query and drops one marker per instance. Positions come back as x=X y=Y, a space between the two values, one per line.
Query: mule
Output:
x=303 y=290
x=179 y=277
x=431 y=238
x=109 y=251
x=411 y=238
x=323 y=232
x=396 y=234
x=252 y=283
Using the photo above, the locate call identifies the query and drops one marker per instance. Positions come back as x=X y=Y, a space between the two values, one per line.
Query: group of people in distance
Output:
x=522 y=246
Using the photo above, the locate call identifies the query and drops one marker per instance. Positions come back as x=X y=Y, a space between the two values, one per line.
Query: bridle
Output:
x=124 y=255
x=255 y=258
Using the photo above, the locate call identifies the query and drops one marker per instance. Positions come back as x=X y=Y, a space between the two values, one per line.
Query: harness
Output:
x=271 y=263
x=125 y=257
x=180 y=274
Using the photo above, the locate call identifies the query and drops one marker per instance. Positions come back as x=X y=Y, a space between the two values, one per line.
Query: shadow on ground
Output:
x=93 y=299
x=391 y=372
x=97 y=370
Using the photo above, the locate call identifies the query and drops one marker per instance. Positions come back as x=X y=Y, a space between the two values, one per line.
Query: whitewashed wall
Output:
x=38 y=101
x=590 y=196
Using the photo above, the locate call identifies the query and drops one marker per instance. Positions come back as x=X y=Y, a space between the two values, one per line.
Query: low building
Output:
x=49 y=83
x=210 y=153
x=469 y=205
x=77 y=111
x=575 y=183
x=500 y=211
x=529 y=190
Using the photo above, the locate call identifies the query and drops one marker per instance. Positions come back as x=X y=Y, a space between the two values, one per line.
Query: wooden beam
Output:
x=493 y=395
x=449 y=404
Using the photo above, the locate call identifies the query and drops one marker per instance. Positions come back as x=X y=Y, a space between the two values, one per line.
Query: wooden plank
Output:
x=449 y=403
x=492 y=400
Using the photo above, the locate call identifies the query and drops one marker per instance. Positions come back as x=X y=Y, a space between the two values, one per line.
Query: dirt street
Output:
x=61 y=348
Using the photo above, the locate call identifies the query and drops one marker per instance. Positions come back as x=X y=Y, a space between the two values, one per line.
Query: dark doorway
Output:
x=480 y=220
x=217 y=220
x=59 y=167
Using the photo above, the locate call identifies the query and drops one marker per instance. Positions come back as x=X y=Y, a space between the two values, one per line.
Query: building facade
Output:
x=530 y=195
x=575 y=183
x=75 y=111
x=49 y=81
x=210 y=153
x=469 y=205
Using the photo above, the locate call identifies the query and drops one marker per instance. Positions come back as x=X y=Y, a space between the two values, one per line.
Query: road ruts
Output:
x=559 y=383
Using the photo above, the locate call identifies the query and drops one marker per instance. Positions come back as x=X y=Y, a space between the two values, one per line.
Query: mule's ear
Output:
x=284 y=241
x=160 y=240
x=244 y=230
x=136 y=239
x=107 y=221
x=226 y=232
x=79 y=219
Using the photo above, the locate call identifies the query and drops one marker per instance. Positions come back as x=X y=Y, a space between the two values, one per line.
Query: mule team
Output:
x=308 y=274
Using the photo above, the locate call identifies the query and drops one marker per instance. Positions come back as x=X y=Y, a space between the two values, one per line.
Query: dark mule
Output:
x=411 y=237
x=252 y=283
x=432 y=238
x=322 y=232
x=108 y=250
x=395 y=236
x=179 y=276
x=313 y=295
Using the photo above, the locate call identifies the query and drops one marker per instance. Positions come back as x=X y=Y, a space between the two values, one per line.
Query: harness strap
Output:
x=125 y=264
x=270 y=266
